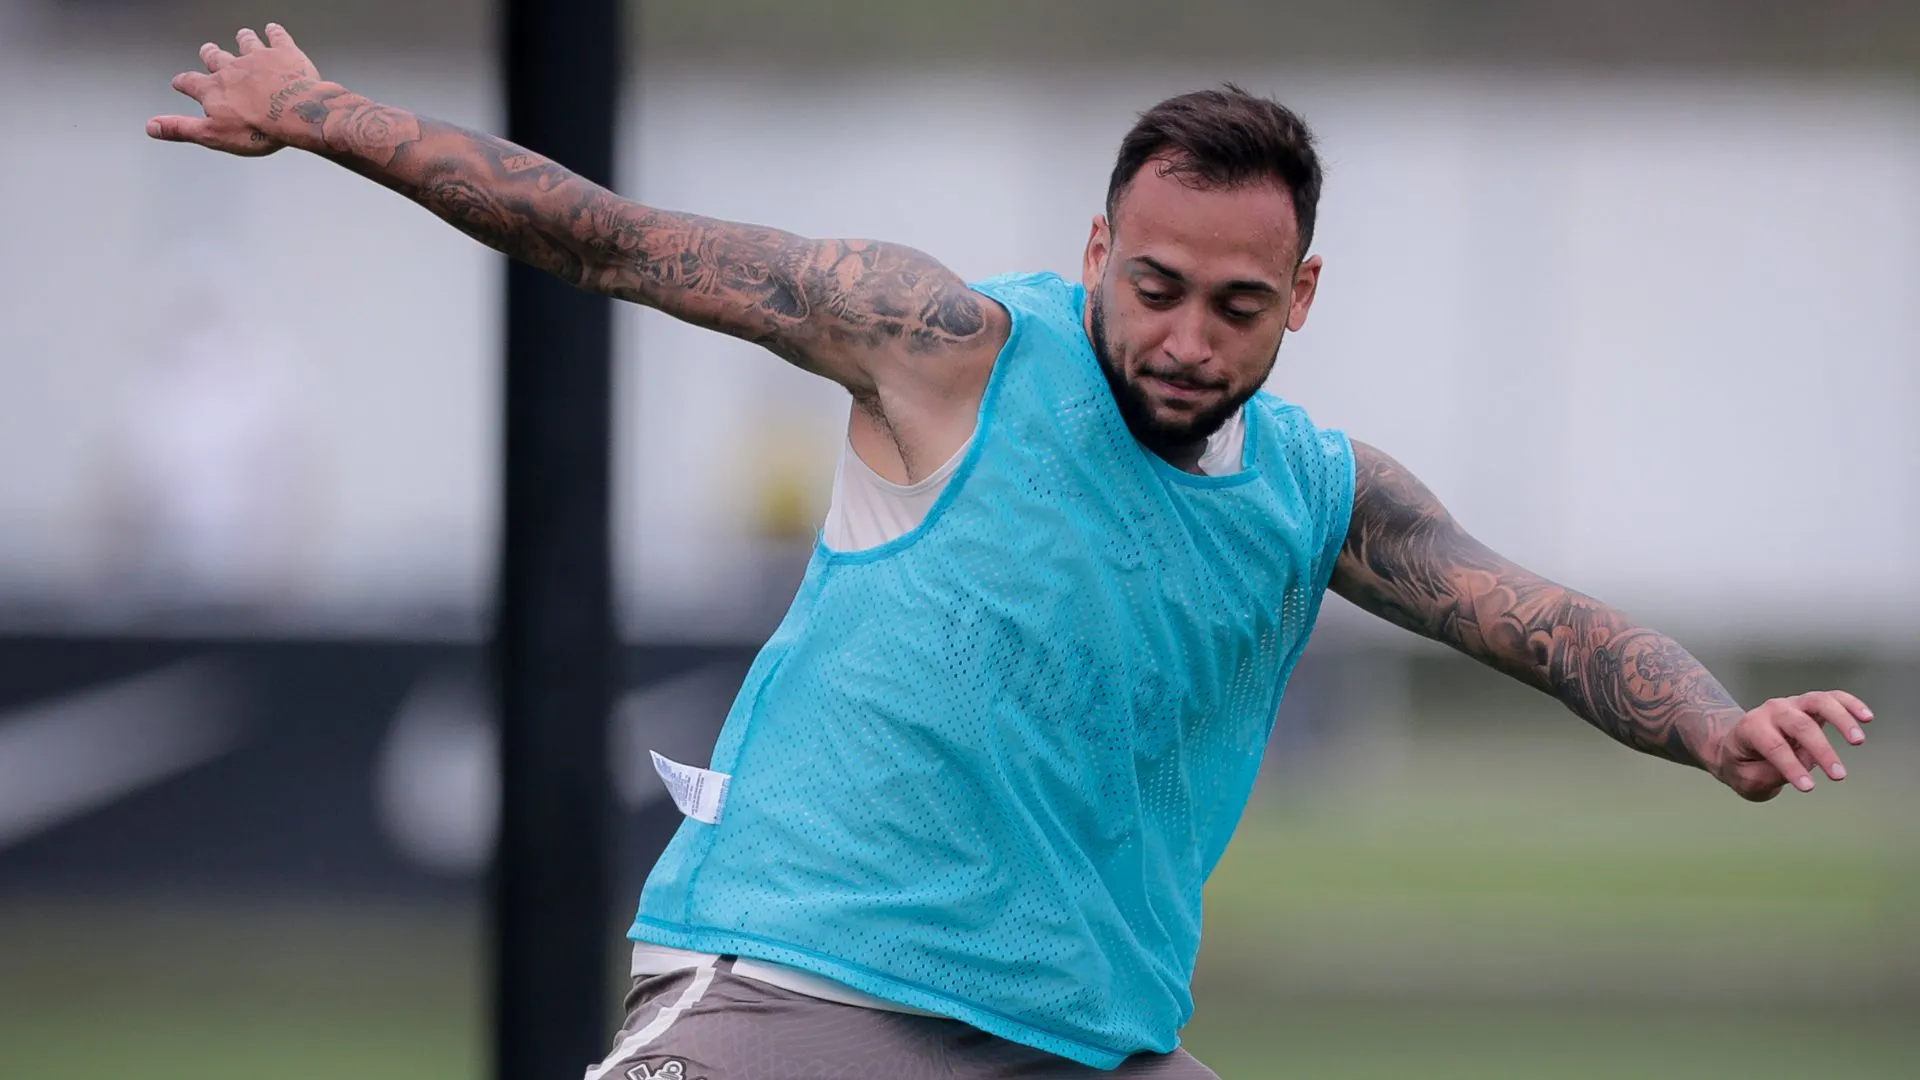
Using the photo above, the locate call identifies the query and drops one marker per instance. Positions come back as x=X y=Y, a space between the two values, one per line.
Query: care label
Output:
x=699 y=793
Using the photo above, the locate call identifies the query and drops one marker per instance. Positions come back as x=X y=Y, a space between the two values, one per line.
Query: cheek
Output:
x=1139 y=334
x=1253 y=361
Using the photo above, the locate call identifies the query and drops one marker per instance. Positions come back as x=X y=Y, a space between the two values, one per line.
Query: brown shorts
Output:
x=710 y=1024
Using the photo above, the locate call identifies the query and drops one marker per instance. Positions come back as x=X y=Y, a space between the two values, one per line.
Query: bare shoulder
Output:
x=915 y=320
x=1389 y=500
x=895 y=293
x=865 y=313
x=920 y=342
x=1405 y=557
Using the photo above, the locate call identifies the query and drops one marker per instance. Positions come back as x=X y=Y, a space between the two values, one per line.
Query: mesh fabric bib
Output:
x=985 y=768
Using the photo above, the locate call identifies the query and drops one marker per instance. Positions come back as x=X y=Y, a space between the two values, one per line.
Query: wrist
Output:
x=1705 y=736
x=297 y=115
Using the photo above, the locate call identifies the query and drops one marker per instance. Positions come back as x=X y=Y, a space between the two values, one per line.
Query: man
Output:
x=959 y=818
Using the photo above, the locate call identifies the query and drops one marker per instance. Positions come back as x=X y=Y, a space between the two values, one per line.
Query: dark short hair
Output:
x=1225 y=138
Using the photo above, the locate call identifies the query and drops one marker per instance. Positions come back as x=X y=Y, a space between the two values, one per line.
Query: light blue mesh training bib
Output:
x=985 y=768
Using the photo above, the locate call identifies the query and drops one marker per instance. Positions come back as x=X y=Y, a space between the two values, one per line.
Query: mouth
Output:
x=1178 y=390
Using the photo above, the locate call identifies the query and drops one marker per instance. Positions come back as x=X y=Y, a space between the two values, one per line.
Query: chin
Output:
x=1171 y=429
x=1161 y=423
x=1192 y=422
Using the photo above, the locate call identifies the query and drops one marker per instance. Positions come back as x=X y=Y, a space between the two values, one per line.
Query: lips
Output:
x=1179 y=390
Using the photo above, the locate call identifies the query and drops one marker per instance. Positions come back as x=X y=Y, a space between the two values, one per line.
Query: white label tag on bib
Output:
x=699 y=793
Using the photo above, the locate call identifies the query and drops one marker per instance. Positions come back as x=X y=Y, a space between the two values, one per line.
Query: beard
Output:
x=1136 y=408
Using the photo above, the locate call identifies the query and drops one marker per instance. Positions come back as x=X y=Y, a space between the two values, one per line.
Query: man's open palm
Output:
x=244 y=95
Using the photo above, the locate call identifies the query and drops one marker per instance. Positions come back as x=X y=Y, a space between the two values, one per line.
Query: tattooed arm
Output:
x=1408 y=561
x=852 y=310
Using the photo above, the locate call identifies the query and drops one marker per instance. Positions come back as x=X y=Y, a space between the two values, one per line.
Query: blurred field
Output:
x=1468 y=906
x=1538 y=906
x=1442 y=876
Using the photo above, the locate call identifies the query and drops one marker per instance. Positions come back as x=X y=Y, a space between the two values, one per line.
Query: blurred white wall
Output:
x=1655 y=337
x=394 y=319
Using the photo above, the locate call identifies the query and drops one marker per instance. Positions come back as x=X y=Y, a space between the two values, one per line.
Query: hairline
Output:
x=1278 y=183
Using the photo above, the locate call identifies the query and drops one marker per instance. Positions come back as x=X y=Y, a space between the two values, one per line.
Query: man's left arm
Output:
x=1407 y=561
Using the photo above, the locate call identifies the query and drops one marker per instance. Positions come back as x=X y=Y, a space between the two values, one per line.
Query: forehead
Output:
x=1213 y=232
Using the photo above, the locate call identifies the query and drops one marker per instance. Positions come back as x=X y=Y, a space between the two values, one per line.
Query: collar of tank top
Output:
x=868 y=510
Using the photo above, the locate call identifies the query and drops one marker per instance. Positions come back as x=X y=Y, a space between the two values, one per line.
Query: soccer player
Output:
x=958 y=819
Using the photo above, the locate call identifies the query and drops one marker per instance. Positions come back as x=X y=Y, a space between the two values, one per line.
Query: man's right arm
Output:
x=827 y=305
x=845 y=309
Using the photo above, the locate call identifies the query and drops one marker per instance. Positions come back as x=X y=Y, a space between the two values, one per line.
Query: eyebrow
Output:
x=1241 y=285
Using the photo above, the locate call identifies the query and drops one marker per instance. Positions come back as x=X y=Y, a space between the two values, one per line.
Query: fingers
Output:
x=214 y=57
x=248 y=41
x=1829 y=706
x=1807 y=760
x=192 y=83
x=278 y=37
x=1773 y=746
x=191 y=129
x=1854 y=705
x=1804 y=730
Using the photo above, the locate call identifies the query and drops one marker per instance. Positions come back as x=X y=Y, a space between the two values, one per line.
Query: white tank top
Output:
x=868 y=510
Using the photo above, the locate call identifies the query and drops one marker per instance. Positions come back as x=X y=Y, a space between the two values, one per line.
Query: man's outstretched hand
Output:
x=246 y=96
x=1782 y=742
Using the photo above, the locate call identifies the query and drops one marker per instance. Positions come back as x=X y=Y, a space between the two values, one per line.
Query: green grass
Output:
x=1436 y=1041
x=1574 y=874
x=1545 y=906
x=212 y=991
x=1489 y=908
x=212 y=1039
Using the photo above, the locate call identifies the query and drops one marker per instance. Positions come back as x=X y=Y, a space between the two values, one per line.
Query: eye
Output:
x=1155 y=297
x=1243 y=315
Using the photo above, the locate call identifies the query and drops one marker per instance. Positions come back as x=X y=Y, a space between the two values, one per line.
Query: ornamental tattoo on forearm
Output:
x=804 y=299
x=1408 y=561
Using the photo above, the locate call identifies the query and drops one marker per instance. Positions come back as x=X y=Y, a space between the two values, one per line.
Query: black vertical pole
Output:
x=553 y=639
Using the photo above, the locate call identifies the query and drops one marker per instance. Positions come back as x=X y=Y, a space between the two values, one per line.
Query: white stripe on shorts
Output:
x=660 y=960
x=702 y=978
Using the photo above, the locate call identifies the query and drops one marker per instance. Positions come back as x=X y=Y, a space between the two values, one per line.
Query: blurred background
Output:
x=1630 y=285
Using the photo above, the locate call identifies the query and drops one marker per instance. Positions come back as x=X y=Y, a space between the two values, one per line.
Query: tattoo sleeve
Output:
x=1408 y=561
x=827 y=305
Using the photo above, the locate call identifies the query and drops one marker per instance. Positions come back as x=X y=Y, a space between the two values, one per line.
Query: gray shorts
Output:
x=710 y=1024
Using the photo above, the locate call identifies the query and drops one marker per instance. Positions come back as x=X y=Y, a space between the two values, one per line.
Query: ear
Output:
x=1099 y=246
x=1306 y=282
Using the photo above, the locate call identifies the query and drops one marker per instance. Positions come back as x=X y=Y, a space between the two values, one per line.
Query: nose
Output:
x=1187 y=344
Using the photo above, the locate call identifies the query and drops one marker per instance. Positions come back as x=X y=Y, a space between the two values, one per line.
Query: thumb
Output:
x=178 y=128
